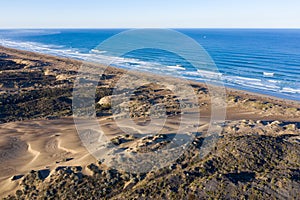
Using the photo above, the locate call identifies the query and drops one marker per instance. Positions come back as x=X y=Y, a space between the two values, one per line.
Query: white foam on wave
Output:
x=203 y=74
x=128 y=63
x=273 y=81
x=32 y=46
x=253 y=83
x=290 y=90
x=97 y=51
x=268 y=74
x=176 y=67
x=102 y=57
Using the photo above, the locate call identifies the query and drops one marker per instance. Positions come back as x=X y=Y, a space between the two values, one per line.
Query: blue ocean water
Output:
x=266 y=61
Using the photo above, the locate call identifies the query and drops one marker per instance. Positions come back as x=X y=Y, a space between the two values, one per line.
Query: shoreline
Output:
x=249 y=91
x=78 y=61
x=63 y=72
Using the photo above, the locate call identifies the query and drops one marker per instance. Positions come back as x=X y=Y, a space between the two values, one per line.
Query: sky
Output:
x=150 y=14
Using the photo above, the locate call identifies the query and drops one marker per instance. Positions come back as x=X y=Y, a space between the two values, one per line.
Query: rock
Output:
x=48 y=72
x=62 y=77
x=116 y=141
x=105 y=102
x=290 y=127
x=276 y=123
x=159 y=136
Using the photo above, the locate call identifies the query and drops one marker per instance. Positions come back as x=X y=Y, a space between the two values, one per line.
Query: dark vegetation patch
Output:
x=234 y=170
x=9 y=65
x=240 y=177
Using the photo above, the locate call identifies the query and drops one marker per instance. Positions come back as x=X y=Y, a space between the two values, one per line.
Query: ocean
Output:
x=265 y=61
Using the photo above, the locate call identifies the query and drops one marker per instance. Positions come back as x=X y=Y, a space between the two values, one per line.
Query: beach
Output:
x=257 y=153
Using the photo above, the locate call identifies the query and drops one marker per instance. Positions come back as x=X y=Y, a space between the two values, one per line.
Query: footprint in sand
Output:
x=51 y=146
x=12 y=149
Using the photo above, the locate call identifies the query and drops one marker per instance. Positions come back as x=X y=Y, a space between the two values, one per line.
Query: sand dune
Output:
x=37 y=144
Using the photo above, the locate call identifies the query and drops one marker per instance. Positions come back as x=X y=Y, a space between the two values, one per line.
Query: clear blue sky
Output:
x=150 y=13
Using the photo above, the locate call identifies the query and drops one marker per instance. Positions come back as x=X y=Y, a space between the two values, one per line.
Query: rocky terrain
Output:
x=256 y=156
x=245 y=164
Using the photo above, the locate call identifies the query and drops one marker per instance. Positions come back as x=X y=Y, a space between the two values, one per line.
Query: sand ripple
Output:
x=12 y=149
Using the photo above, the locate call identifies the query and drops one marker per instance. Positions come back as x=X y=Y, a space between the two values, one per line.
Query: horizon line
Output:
x=6 y=28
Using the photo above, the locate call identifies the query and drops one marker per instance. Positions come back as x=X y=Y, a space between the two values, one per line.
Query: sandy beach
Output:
x=257 y=154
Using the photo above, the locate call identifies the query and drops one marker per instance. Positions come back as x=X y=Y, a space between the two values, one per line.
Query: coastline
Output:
x=79 y=62
x=47 y=140
x=242 y=69
x=62 y=69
